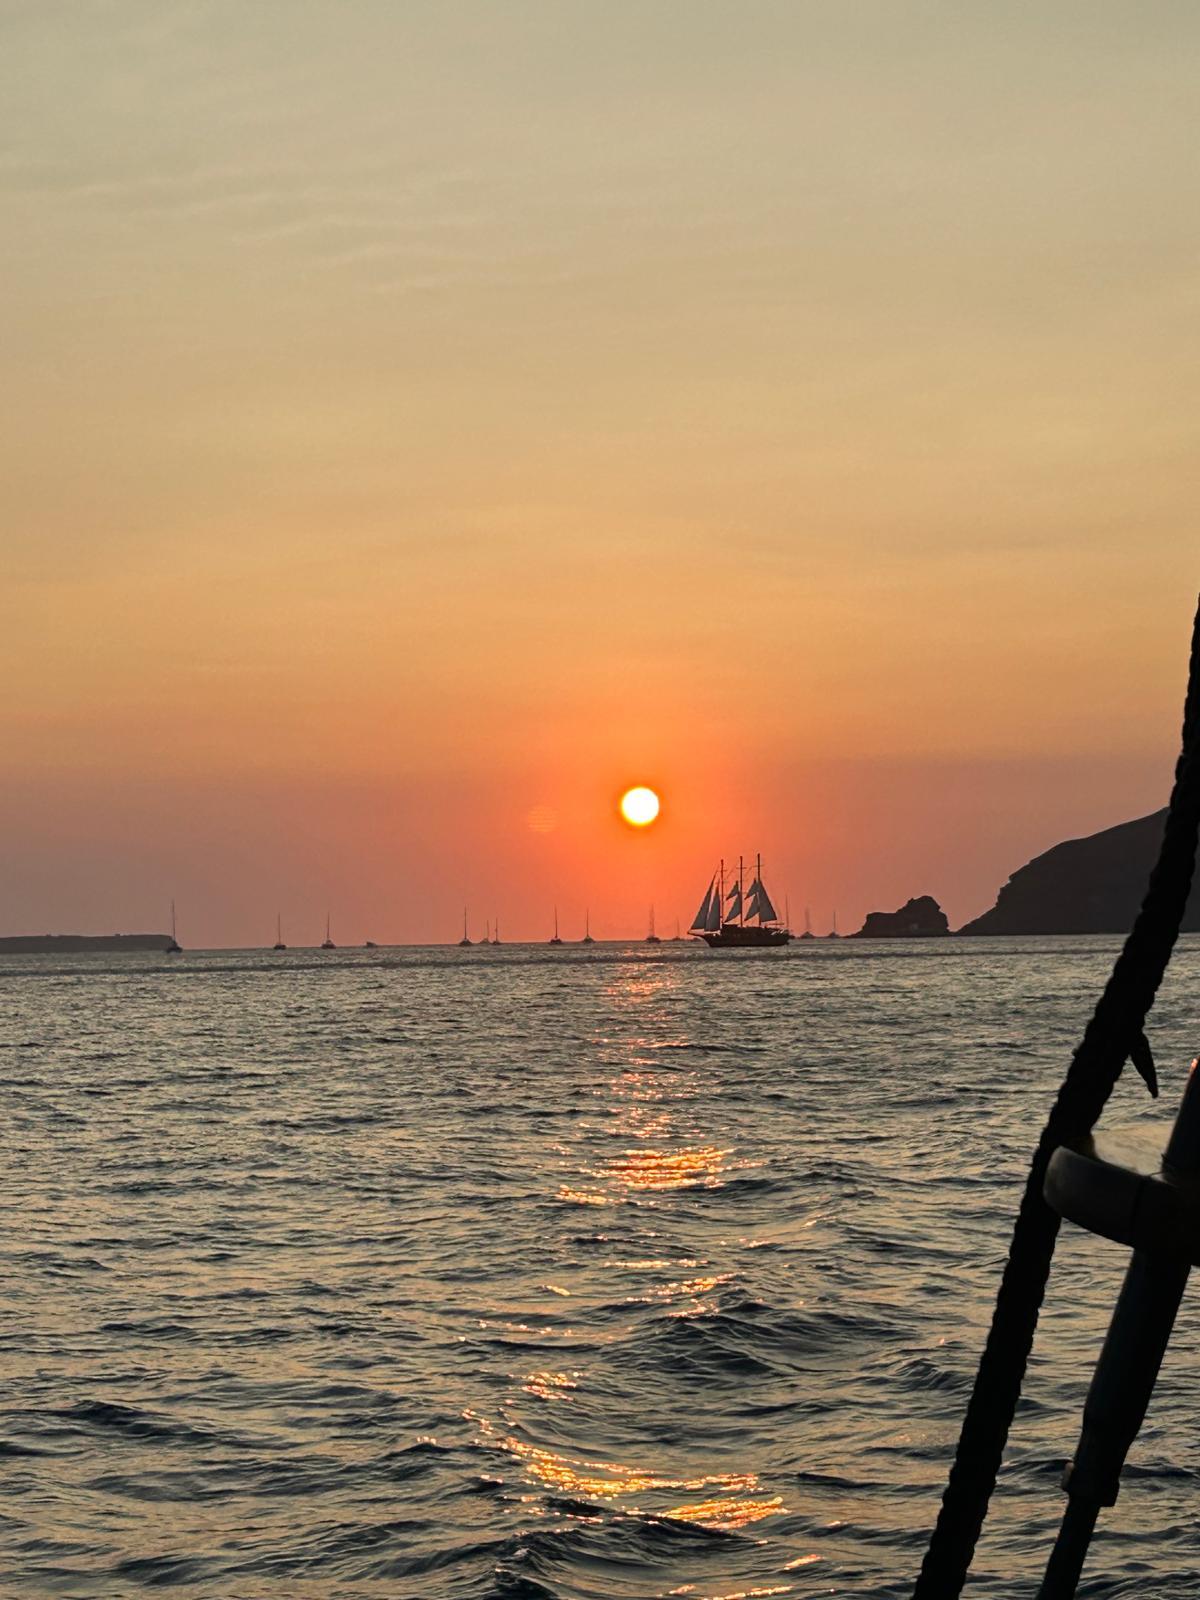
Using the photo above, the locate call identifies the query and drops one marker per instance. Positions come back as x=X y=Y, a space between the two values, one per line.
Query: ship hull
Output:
x=750 y=937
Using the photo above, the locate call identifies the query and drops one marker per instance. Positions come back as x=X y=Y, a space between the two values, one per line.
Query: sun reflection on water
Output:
x=657 y=1148
x=668 y=1169
x=550 y=1385
x=737 y=1502
x=734 y=1594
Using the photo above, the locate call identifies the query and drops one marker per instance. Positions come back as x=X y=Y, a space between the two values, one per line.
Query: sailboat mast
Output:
x=721 y=875
x=173 y=919
x=741 y=894
x=759 y=882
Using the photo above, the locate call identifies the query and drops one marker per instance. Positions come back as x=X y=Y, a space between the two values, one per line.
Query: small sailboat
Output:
x=676 y=937
x=652 y=937
x=327 y=943
x=487 y=932
x=279 y=944
x=465 y=941
x=833 y=932
x=738 y=917
x=556 y=939
x=174 y=948
x=496 y=931
x=808 y=933
x=587 y=928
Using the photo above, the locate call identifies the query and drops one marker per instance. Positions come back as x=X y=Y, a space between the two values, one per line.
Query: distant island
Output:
x=920 y=918
x=1090 y=885
x=79 y=944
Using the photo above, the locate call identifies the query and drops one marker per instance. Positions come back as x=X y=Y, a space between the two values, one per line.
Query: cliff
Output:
x=922 y=918
x=75 y=944
x=1090 y=885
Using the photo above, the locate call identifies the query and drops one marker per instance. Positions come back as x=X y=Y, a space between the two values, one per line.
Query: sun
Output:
x=639 y=806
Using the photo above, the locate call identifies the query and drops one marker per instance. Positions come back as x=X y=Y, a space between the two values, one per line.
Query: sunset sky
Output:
x=423 y=420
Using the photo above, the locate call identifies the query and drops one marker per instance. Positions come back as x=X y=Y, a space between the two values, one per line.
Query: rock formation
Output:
x=73 y=944
x=1090 y=885
x=921 y=918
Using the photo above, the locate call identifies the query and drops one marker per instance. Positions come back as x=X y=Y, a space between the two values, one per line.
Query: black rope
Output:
x=1114 y=1031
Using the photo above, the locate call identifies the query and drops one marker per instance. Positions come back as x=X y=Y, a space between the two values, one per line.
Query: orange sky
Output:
x=422 y=414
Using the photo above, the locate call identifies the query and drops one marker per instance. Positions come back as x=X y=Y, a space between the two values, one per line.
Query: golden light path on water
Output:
x=725 y=1512
x=646 y=1110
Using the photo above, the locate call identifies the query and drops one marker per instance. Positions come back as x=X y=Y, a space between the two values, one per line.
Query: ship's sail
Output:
x=712 y=923
x=734 y=908
x=700 y=920
x=760 y=903
x=764 y=910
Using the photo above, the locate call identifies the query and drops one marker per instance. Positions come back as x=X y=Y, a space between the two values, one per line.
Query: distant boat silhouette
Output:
x=466 y=938
x=327 y=943
x=833 y=933
x=496 y=932
x=556 y=939
x=808 y=933
x=587 y=929
x=279 y=944
x=676 y=937
x=487 y=931
x=652 y=937
x=369 y=944
x=174 y=948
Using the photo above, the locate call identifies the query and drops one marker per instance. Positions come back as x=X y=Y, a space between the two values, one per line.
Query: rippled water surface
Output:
x=600 y=1274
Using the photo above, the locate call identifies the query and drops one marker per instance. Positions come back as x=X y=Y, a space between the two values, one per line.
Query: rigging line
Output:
x=1113 y=1032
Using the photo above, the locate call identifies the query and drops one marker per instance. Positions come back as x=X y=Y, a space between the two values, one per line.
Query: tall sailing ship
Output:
x=734 y=916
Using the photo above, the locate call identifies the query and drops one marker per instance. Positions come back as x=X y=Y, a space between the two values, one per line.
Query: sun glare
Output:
x=639 y=807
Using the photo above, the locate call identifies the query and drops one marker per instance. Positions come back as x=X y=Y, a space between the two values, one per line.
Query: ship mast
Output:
x=741 y=895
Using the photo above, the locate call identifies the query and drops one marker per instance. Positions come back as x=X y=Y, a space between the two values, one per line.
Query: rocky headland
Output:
x=1090 y=885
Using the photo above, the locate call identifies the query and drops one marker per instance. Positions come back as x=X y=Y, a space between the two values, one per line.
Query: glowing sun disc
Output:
x=639 y=806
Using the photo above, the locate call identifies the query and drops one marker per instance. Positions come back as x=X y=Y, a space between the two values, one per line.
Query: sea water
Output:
x=600 y=1274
